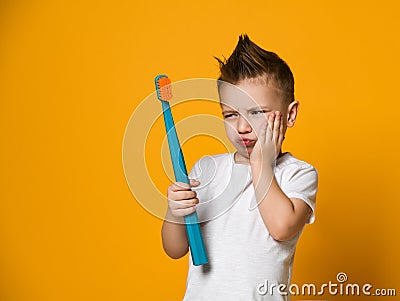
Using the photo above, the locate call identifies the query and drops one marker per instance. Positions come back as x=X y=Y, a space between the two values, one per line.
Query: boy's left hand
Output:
x=269 y=141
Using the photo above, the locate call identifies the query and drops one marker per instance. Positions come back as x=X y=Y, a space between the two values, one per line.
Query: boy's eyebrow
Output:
x=259 y=107
x=228 y=111
x=251 y=109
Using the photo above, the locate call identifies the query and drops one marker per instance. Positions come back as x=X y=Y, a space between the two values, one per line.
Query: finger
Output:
x=183 y=204
x=187 y=211
x=270 y=126
x=276 y=125
x=194 y=183
x=183 y=195
x=281 y=134
x=178 y=186
x=263 y=132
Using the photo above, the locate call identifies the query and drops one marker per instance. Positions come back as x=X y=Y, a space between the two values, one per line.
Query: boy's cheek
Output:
x=231 y=133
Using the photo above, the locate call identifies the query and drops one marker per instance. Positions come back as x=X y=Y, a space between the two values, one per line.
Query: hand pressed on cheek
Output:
x=270 y=140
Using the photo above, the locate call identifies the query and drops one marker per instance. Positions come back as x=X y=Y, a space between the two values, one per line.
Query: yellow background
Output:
x=73 y=72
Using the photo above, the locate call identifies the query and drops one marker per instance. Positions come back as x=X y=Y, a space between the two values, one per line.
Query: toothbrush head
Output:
x=163 y=87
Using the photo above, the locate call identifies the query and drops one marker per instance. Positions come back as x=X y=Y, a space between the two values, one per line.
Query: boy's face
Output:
x=245 y=109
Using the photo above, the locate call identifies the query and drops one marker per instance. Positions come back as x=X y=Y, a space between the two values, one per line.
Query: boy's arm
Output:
x=181 y=202
x=284 y=217
x=174 y=236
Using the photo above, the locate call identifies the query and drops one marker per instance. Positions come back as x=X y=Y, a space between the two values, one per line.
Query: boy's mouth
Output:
x=246 y=142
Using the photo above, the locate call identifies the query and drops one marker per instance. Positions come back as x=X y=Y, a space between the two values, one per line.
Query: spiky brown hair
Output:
x=249 y=61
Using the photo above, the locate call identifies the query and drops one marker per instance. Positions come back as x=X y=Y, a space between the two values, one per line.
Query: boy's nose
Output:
x=243 y=125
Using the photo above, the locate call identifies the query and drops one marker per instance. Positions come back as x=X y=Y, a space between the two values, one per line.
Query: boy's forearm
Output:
x=276 y=209
x=174 y=236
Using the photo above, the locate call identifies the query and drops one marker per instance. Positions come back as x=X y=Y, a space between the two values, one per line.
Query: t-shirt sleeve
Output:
x=302 y=183
x=195 y=172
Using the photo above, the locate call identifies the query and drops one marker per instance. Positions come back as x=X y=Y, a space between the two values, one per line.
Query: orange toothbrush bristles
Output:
x=163 y=85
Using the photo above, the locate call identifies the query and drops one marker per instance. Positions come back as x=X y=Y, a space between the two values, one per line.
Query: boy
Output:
x=253 y=203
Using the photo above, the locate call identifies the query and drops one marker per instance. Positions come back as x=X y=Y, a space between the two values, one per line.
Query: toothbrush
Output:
x=195 y=239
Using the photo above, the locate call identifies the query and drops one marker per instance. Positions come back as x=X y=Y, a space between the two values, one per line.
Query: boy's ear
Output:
x=292 y=113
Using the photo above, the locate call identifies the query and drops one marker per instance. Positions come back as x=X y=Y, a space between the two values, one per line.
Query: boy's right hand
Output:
x=181 y=199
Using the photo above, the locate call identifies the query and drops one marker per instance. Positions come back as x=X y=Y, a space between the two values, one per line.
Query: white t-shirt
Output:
x=245 y=262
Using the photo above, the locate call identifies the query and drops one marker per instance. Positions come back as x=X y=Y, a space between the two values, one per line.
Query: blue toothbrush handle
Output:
x=195 y=238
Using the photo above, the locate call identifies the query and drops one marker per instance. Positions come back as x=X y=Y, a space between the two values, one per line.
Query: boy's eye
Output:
x=258 y=112
x=229 y=115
